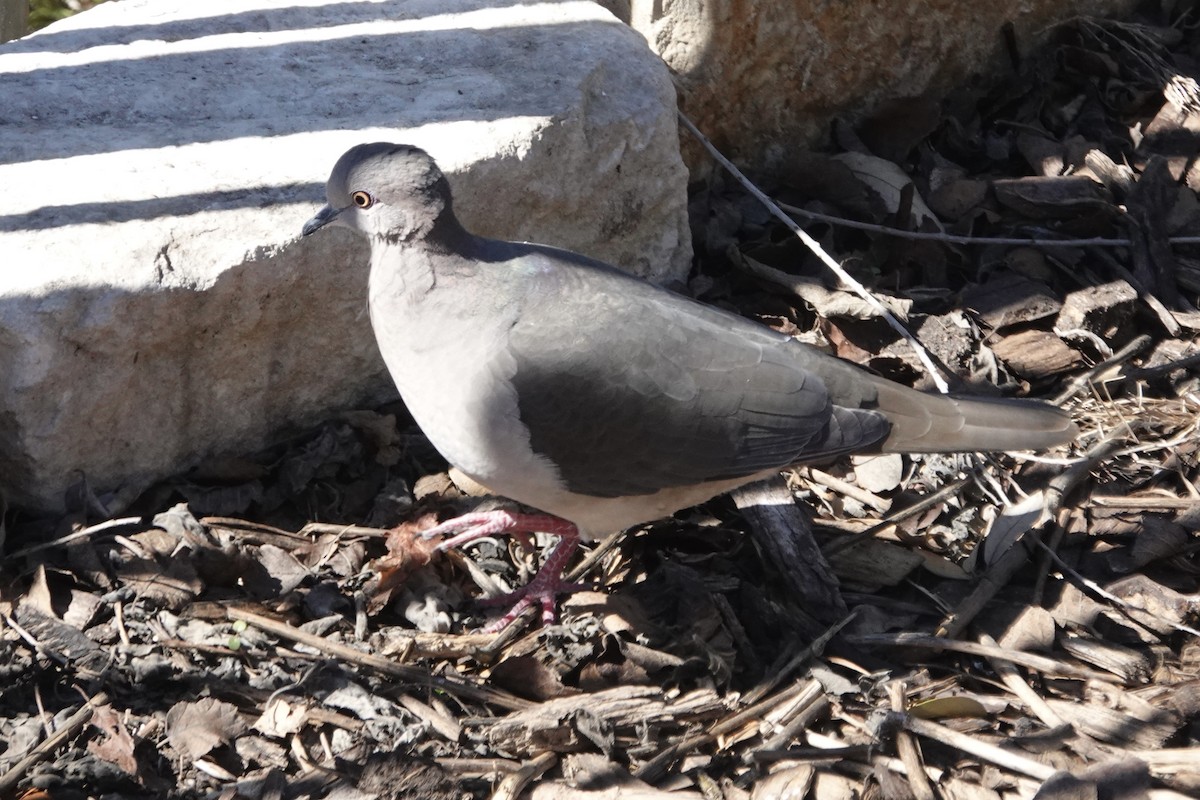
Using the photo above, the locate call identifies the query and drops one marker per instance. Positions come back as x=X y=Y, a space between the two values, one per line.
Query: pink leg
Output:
x=547 y=583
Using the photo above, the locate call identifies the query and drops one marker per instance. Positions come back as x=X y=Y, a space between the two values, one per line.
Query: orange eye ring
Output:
x=362 y=199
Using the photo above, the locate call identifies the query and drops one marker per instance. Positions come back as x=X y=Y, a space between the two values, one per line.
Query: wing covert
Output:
x=628 y=389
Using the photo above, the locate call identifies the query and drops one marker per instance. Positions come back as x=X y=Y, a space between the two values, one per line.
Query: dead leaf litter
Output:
x=273 y=625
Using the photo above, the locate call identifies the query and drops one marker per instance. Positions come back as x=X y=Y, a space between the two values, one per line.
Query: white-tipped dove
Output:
x=598 y=398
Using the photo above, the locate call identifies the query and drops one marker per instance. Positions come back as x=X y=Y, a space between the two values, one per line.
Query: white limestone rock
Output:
x=160 y=156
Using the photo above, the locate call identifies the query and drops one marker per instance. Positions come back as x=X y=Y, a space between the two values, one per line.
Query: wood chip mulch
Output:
x=272 y=626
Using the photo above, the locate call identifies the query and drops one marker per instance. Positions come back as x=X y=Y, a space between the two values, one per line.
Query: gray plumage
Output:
x=563 y=383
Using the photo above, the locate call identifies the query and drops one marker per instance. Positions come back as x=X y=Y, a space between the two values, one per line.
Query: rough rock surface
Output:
x=12 y=18
x=159 y=157
x=764 y=78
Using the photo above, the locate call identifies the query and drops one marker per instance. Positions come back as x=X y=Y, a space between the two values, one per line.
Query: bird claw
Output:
x=546 y=585
x=525 y=597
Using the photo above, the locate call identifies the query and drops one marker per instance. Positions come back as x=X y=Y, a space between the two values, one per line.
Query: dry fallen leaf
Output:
x=407 y=551
x=953 y=707
x=881 y=473
x=888 y=181
x=1032 y=630
x=195 y=729
x=117 y=747
x=283 y=567
x=281 y=718
x=785 y=783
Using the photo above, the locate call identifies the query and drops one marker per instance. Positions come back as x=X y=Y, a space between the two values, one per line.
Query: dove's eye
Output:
x=362 y=199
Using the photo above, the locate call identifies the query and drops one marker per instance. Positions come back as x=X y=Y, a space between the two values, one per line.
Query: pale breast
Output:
x=454 y=374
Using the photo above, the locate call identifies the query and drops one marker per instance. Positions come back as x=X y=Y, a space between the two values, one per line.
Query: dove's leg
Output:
x=547 y=583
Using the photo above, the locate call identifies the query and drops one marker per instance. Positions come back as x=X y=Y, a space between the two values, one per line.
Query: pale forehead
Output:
x=378 y=167
x=381 y=165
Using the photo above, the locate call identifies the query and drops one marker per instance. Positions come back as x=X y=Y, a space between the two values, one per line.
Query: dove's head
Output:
x=389 y=191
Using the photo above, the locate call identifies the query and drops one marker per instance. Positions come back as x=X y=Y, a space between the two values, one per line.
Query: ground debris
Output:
x=274 y=625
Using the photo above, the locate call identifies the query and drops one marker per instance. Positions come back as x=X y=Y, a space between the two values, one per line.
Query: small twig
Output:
x=810 y=290
x=1031 y=661
x=1124 y=605
x=119 y=620
x=1185 y=436
x=820 y=253
x=993 y=580
x=854 y=492
x=1041 y=709
x=47 y=719
x=513 y=784
x=455 y=686
x=593 y=558
x=981 y=750
x=820 y=742
x=1187 y=362
x=1057 y=532
x=925 y=503
x=910 y=756
x=1007 y=565
x=71 y=728
x=1102 y=370
x=808 y=707
x=1020 y=687
x=758 y=701
x=814 y=649
x=653 y=769
x=486 y=768
x=1141 y=503
x=318 y=528
x=74 y=536
x=33 y=642
x=950 y=238
x=233 y=523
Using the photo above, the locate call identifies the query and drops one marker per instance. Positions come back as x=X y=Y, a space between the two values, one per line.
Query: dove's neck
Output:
x=433 y=227
x=445 y=234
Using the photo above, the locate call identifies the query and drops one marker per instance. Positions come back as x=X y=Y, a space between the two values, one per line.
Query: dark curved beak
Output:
x=326 y=215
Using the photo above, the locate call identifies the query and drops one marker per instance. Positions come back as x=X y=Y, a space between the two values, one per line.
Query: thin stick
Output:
x=1104 y=369
x=71 y=728
x=757 y=702
x=1042 y=664
x=652 y=770
x=455 y=686
x=75 y=536
x=981 y=750
x=820 y=253
x=1005 y=567
x=950 y=238
x=1017 y=685
x=1123 y=605
x=513 y=784
x=906 y=747
x=925 y=503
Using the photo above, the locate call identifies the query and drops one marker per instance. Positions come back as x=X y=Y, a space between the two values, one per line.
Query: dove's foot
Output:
x=547 y=584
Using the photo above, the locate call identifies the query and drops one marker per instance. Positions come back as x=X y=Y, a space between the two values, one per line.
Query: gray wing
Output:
x=629 y=389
